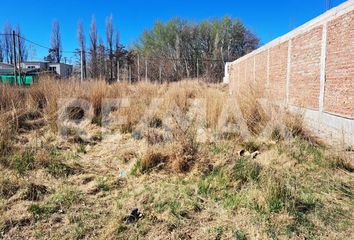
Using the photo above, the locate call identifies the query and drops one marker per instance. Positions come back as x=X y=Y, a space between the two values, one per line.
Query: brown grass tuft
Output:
x=153 y=159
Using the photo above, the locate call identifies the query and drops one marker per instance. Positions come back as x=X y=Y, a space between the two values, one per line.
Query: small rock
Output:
x=254 y=154
x=134 y=216
x=241 y=152
x=122 y=173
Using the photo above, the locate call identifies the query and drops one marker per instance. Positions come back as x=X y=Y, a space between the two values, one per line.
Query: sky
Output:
x=267 y=19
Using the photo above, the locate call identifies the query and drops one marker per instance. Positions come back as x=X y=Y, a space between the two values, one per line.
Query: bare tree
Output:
x=109 y=36
x=8 y=43
x=101 y=58
x=93 y=49
x=116 y=55
x=82 y=44
x=23 y=51
x=120 y=54
x=56 y=42
x=1 y=51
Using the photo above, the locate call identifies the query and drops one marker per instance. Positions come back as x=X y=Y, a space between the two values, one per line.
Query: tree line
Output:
x=188 y=49
x=170 y=51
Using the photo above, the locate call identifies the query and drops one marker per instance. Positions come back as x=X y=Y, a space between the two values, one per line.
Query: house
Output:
x=61 y=69
x=30 y=71
x=5 y=65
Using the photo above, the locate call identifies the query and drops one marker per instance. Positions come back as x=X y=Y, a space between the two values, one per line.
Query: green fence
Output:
x=23 y=80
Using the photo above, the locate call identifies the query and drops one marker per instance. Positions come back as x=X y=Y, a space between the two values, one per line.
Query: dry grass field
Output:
x=189 y=177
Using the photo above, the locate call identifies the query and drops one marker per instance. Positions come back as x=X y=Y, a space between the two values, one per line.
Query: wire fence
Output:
x=161 y=70
x=133 y=67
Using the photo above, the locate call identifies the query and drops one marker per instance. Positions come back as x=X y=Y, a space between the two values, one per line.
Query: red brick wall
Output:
x=339 y=88
x=242 y=73
x=321 y=72
x=304 y=84
x=278 y=62
x=234 y=77
x=261 y=73
x=249 y=70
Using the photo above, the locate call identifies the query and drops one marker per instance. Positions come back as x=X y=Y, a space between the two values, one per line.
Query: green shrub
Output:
x=246 y=170
x=59 y=169
x=102 y=184
x=240 y=235
x=24 y=161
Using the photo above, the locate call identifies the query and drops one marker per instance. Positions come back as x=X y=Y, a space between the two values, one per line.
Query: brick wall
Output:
x=278 y=57
x=311 y=68
x=261 y=73
x=305 y=69
x=339 y=87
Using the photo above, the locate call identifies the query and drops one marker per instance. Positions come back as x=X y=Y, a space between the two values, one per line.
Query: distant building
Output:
x=62 y=69
x=7 y=75
x=30 y=70
x=5 y=65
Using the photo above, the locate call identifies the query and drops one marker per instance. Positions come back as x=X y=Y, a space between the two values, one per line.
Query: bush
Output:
x=152 y=159
x=246 y=170
x=24 y=161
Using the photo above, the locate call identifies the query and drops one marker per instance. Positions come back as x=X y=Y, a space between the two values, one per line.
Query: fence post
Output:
x=146 y=71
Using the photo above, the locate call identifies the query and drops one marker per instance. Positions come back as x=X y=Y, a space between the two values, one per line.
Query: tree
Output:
x=186 y=49
x=93 y=49
x=56 y=46
x=101 y=58
x=109 y=36
x=82 y=44
x=8 y=44
x=120 y=54
x=1 y=52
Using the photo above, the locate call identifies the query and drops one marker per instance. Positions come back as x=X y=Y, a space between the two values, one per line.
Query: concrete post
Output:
x=323 y=67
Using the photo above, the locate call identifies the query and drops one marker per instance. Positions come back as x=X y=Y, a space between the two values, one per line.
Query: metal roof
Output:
x=10 y=71
x=5 y=65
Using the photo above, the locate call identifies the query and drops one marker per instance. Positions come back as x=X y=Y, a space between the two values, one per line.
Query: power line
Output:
x=38 y=44
x=34 y=43
x=88 y=52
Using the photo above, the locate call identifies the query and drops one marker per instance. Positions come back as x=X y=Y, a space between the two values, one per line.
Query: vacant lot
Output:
x=190 y=174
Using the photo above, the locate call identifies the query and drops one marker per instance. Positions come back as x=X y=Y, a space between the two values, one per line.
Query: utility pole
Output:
x=19 y=56
x=130 y=74
x=82 y=64
x=14 y=52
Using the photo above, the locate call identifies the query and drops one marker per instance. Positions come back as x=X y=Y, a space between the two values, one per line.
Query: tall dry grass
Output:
x=38 y=105
x=41 y=100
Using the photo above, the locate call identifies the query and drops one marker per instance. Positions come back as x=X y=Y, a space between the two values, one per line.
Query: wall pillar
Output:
x=323 y=67
x=288 y=73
